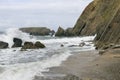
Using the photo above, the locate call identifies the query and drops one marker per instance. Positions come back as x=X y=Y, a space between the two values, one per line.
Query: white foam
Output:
x=69 y=41
x=29 y=70
x=12 y=33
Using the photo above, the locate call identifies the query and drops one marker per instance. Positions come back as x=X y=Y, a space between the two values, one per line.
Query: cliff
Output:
x=101 y=17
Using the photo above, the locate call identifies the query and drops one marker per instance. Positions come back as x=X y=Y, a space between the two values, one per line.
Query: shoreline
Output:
x=87 y=65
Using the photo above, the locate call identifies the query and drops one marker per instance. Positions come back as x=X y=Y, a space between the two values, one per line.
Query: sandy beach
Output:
x=87 y=65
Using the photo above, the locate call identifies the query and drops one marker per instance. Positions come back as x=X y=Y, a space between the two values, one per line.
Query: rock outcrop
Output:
x=17 y=42
x=30 y=45
x=64 y=33
x=42 y=31
x=60 y=32
x=3 y=45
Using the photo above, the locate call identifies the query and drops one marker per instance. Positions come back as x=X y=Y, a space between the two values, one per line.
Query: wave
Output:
x=28 y=64
x=11 y=33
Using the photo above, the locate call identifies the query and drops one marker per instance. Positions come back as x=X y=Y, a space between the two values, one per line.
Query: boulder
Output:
x=37 y=31
x=60 y=32
x=82 y=44
x=39 y=45
x=17 y=42
x=3 y=45
x=30 y=45
x=62 y=45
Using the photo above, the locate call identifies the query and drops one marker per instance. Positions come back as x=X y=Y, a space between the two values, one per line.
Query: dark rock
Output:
x=72 y=45
x=3 y=45
x=39 y=45
x=17 y=42
x=116 y=46
x=68 y=32
x=30 y=45
x=82 y=44
x=101 y=52
x=62 y=45
x=60 y=32
x=37 y=31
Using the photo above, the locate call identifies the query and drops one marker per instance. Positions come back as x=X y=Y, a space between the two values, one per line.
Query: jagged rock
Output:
x=60 y=32
x=39 y=45
x=17 y=42
x=36 y=31
x=3 y=45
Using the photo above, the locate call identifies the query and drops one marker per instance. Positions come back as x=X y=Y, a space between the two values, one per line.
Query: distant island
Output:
x=38 y=31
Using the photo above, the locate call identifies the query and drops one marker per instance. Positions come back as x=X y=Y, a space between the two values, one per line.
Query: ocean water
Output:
x=25 y=65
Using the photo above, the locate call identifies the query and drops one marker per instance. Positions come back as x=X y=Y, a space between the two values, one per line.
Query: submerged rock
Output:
x=62 y=45
x=17 y=42
x=82 y=44
x=3 y=45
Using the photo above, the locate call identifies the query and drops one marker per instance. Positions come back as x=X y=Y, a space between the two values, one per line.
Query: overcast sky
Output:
x=42 y=13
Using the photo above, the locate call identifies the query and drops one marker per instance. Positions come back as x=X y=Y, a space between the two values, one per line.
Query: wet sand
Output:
x=87 y=65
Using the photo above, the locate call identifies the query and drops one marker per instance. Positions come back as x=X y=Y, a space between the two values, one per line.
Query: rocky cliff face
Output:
x=109 y=36
x=101 y=17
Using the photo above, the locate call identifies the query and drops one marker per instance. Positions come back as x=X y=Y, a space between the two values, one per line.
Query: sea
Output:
x=25 y=65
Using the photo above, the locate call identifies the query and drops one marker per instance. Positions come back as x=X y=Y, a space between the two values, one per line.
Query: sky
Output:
x=40 y=13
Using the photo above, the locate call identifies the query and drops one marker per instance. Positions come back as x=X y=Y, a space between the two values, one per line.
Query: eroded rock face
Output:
x=3 y=45
x=17 y=42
